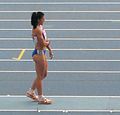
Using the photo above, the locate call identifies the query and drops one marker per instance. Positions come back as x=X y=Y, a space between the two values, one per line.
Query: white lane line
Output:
x=58 y=60
x=81 y=49
x=62 y=71
x=70 y=11
x=81 y=110
x=63 y=110
x=57 y=39
x=62 y=20
x=61 y=3
x=19 y=110
x=16 y=29
x=61 y=96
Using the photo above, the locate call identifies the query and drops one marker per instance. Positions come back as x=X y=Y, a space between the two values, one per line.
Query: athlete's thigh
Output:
x=39 y=64
x=46 y=65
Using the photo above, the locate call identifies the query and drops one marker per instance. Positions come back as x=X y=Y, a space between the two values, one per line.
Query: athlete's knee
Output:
x=39 y=77
x=45 y=74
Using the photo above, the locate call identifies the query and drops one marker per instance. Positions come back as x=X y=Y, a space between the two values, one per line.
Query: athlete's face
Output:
x=42 y=20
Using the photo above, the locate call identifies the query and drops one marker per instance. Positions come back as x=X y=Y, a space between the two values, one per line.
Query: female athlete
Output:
x=39 y=57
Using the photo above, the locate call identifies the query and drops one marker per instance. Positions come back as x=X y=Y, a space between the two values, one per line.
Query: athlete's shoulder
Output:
x=38 y=30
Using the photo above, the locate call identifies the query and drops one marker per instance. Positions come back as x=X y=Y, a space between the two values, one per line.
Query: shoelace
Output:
x=44 y=99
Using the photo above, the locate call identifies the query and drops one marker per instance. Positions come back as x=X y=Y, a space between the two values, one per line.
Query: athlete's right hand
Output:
x=51 y=54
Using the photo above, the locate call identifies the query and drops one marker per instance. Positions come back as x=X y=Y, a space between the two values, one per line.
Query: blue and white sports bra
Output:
x=35 y=39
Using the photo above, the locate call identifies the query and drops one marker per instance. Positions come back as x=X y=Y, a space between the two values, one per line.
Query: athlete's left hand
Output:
x=51 y=54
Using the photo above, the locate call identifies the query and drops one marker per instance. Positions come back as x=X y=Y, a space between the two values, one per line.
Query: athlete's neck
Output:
x=40 y=24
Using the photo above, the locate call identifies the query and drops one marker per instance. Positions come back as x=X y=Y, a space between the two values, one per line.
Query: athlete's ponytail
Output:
x=34 y=19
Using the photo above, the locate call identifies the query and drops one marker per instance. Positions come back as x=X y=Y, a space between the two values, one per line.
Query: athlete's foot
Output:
x=32 y=96
x=44 y=100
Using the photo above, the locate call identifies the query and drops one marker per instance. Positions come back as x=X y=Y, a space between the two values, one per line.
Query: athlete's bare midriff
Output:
x=38 y=47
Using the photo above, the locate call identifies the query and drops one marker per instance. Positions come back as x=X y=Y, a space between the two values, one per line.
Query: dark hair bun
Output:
x=34 y=18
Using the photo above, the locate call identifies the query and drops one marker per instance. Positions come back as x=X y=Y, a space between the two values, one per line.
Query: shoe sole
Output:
x=45 y=103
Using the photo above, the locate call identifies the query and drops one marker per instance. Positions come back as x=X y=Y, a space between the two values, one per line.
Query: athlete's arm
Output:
x=41 y=39
x=49 y=48
x=50 y=51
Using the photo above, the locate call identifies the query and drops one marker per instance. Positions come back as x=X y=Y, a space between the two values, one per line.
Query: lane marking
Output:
x=62 y=3
x=20 y=55
x=62 y=20
x=58 y=60
x=81 y=49
x=63 y=71
x=57 y=39
x=69 y=11
x=63 y=110
x=16 y=29
x=19 y=110
x=61 y=96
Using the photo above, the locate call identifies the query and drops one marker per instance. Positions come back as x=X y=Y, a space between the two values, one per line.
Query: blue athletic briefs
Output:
x=35 y=52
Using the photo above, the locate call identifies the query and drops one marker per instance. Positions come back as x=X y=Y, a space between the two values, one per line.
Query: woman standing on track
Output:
x=39 y=57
